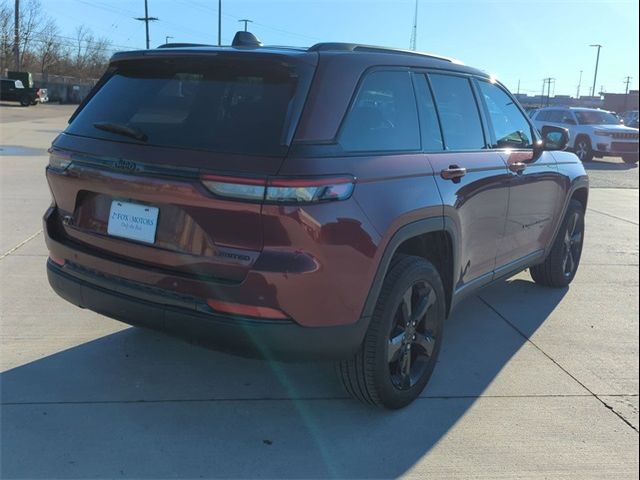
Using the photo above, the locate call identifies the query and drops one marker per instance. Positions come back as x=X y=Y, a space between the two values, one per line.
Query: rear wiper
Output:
x=121 y=130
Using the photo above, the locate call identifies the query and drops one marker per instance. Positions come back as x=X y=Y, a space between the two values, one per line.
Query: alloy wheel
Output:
x=572 y=245
x=582 y=150
x=413 y=336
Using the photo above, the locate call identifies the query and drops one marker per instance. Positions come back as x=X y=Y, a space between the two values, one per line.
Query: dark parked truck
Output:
x=335 y=202
x=12 y=90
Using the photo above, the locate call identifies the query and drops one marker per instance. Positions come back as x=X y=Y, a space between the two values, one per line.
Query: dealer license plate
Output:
x=133 y=221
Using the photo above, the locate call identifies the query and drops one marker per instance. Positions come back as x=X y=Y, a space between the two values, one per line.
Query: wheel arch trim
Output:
x=579 y=183
x=406 y=232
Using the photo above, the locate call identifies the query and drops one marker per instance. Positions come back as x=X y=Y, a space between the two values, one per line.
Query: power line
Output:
x=204 y=8
x=129 y=13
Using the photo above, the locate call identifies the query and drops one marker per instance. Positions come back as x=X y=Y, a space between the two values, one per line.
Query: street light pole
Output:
x=595 y=75
x=166 y=39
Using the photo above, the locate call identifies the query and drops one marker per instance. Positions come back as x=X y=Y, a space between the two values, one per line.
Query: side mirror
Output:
x=554 y=138
x=570 y=121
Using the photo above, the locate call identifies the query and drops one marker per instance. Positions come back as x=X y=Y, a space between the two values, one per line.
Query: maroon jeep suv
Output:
x=334 y=202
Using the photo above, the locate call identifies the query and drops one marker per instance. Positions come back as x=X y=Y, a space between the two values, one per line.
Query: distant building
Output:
x=619 y=102
x=538 y=101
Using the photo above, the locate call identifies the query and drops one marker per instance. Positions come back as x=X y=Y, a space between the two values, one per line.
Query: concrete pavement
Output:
x=531 y=383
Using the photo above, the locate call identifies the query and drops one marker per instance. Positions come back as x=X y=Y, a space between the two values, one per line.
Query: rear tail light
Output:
x=57 y=260
x=281 y=189
x=309 y=190
x=247 y=310
x=59 y=160
x=232 y=187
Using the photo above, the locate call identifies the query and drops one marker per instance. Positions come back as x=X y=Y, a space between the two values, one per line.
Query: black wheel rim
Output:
x=572 y=245
x=412 y=340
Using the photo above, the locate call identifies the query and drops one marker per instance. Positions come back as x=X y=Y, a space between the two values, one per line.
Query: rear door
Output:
x=472 y=179
x=535 y=185
x=183 y=144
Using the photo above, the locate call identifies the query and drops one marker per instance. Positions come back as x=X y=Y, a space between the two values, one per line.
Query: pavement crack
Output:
x=22 y=243
x=526 y=337
x=612 y=216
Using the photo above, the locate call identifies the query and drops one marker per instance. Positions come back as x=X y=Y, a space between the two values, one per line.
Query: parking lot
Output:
x=531 y=382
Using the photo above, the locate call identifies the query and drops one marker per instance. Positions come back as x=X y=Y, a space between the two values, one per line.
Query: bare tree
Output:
x=91 y=53
x=44 y=49
x=49 y=48
x=6 y=42
x=30 y=19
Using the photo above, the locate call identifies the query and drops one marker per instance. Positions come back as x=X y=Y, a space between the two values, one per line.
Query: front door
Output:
x=535 y=187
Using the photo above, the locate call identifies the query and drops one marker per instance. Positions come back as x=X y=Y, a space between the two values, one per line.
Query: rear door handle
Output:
x=454 y=173
x=517 y=167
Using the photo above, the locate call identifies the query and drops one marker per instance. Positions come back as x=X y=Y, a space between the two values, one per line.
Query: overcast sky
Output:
x=517 y=40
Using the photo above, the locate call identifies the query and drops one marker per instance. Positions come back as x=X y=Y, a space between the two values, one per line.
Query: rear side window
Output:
x=231 y=106
x=459 y=116
x=383 y=116
x=510 y=126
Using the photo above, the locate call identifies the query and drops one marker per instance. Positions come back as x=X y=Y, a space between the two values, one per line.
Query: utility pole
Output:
x=579 y=85
x=627 y=81
x=595 y=75
x=146 y=19
x=518 y=87
x=245 y=21
x=16 y=36
x=219 y=22
x=546 y=82
x=414 y=30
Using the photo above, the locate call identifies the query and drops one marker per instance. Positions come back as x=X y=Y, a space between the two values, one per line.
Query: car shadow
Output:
x=140 y=404
x=601 y=165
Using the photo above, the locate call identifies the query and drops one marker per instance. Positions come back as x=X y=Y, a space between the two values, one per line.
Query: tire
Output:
x=560 y=267
x=583 y=149
x=25 y=101
x=396 y=358
x=630 y=158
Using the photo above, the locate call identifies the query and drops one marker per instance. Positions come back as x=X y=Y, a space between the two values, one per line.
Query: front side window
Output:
x=567 y=118
x=384 y=115
x=542 y=115
x=510 y=126
x=555 y=116
x=459 y=116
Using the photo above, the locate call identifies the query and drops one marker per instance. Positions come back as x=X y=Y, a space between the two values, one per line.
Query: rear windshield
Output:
x=220 y=105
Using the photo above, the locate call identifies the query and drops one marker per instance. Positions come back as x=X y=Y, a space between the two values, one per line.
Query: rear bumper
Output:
x=183 y=317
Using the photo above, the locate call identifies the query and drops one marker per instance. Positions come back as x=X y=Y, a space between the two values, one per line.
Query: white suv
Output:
x=593 y=133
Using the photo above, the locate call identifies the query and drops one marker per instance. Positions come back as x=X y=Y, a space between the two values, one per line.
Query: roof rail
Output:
x=355 y=47
x=180 y=45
